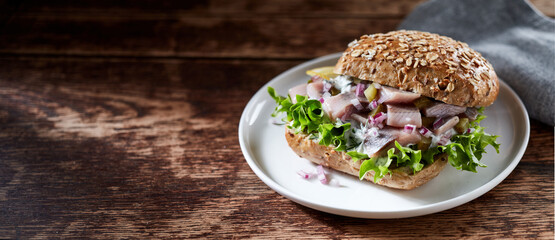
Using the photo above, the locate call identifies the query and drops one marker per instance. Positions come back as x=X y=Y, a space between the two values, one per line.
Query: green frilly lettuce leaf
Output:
x=307 y=116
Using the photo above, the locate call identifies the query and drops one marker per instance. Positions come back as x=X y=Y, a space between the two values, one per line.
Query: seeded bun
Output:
x=429 y=64
x=306 y=148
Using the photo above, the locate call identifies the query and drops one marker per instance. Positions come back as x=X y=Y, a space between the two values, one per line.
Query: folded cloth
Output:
x=517 y=40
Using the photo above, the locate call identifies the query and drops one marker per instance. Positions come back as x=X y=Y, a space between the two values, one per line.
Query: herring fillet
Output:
x=393 y=95
x=442 y=110
x=374 y=144
x=447 y=124
x=339 y=105
x=297 y=90
x=401 y=115
x=315 y=90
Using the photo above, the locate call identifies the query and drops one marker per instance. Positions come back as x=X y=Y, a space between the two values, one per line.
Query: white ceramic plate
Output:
x=271 y=159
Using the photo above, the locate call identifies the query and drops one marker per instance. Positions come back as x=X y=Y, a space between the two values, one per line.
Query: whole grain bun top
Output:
x=429 y=64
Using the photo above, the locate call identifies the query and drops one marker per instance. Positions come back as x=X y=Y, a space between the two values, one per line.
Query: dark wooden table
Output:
x=119 y=120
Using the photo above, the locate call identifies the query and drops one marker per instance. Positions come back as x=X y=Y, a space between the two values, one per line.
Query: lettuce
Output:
x=428 y=155
x=407 y=157
x=465 y=151
x=307 y=116
x=357 y=155
x=404 y=157
x=380 y=166
x=283 y=103
x=333 y=134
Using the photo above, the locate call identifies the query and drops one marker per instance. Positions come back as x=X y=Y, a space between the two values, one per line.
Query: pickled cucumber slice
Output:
x=423 y=102
x=370 y=92
x=380 y=108
x=462 y=125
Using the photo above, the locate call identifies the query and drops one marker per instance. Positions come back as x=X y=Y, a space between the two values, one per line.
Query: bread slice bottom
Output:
x=328 y=157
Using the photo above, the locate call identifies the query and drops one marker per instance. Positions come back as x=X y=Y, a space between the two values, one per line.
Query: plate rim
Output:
x=416 y=211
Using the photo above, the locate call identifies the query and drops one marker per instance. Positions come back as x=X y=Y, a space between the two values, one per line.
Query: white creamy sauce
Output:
x=358 y=134
x=436 y=138
x=342 y=83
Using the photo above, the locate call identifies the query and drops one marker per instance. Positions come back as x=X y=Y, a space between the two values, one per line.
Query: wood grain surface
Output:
x=119 y=120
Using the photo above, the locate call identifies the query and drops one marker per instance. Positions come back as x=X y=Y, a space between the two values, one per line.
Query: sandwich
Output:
x=394 y=110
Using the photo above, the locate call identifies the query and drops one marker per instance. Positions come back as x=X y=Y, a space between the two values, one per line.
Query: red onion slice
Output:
x=380 y=117
x=357 y=104
x=321 y=174
x=359 y=91
x=425 y=132
x=377 y=120
x=437 y=123
x=377 y=85
x=371 y=121
x=373 y=105
x=409 y=128
x=304 y=174
x=321 y=100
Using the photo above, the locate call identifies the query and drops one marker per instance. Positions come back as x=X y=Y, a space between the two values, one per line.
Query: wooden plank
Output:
x=213 y=29
x=331 y=8
x=324 y=8
x=186 y=37
x=147 y=148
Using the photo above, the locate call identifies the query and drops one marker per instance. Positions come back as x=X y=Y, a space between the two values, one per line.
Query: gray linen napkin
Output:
x=518 y=41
